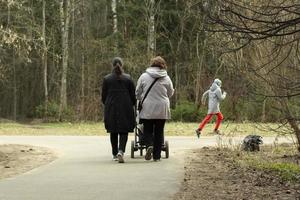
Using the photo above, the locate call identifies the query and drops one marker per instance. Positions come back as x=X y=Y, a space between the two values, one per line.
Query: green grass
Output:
x=227 y=128
x=282 y=160
x=172 y=128
x=286 y=170
x=52 y=129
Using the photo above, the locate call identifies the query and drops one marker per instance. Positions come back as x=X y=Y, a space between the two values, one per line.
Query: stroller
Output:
x=138 y=144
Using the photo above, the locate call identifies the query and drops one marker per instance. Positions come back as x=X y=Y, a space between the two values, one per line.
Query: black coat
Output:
x=118 y=97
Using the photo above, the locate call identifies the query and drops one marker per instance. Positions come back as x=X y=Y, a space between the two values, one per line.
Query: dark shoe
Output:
x=120 y=157
x=198 y=132
x=217 y=132
x=156 y=160
x=149 y=152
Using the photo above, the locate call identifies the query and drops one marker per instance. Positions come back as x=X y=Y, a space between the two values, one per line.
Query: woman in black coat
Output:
x=118 y=97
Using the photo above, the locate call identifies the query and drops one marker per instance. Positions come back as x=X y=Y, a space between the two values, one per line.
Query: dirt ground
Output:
x=212 y=173
x=18 y=159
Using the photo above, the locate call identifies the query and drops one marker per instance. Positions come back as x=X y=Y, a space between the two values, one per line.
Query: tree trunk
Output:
x=82 y=109
x=44 y=57
x=65 y=8
x=263 y=115
x=105 y=18
x=295 y=127
x=15 y=86
x=200 y=59
x=115 y=23
x=115 y=15
x=151 y=28
x=14 y=69
x=291 y=120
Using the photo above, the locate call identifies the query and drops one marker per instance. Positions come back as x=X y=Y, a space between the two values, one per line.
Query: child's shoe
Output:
x=217 y=132
x=198 y=132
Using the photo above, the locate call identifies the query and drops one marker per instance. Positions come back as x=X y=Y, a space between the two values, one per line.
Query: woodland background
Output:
x=54 y=55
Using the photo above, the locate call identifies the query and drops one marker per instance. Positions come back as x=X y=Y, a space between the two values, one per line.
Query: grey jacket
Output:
x=156 y=104
x=214 y=97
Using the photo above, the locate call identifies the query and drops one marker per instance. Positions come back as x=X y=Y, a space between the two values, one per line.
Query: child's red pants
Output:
x=208 y=118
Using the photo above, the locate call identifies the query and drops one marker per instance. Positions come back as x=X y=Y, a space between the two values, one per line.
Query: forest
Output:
x=54 y=55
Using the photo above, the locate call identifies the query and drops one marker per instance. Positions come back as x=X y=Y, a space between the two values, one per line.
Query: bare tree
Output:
x=115 y=15
x=114 y=6
x=44 y=57
x=14 y=67
x=267 y=34
x=151 y=26
x=65 y=12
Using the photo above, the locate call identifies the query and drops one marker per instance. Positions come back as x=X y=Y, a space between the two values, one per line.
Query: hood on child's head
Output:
x=216 y=84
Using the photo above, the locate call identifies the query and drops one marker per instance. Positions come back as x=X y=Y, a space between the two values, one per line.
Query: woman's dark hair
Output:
x=117 y=66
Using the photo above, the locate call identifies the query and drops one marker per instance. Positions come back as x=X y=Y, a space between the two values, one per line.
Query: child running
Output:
x=214 y=97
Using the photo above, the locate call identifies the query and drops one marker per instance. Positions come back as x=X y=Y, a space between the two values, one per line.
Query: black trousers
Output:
x=154 y=135
x=118 y=142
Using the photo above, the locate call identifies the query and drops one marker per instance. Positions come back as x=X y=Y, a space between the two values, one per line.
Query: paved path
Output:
x=84 y=171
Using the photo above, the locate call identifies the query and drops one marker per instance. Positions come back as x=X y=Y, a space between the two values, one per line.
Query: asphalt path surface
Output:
x=84 y=170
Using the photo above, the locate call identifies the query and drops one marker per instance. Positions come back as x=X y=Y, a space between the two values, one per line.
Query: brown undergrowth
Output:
x=223 y=173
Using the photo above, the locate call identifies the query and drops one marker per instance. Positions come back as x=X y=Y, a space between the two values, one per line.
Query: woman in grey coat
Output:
x=156 y=106
x=214 y=97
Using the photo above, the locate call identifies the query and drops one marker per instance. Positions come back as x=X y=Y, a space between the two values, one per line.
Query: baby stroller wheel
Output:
x=166 y=148
x=141 y=151
x=132 y=148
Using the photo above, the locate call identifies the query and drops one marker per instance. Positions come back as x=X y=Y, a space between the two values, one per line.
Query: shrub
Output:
x=187 y=112
x=52 y=113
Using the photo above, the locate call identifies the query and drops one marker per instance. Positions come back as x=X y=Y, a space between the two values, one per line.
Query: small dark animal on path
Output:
x=251 y=143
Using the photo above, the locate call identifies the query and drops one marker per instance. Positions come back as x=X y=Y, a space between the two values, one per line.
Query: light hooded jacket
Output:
x=157 y=103
x=214 y=97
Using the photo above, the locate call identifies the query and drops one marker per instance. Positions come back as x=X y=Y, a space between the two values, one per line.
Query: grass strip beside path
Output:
x=282 y=160
x=92 y=129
